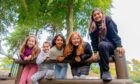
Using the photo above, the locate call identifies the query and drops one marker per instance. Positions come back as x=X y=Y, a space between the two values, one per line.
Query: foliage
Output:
x=135 y=76
x=16 y=38
x=6 y=62
x=95 y=68
x=136 y=62
x=29 y=16
x=7 y=16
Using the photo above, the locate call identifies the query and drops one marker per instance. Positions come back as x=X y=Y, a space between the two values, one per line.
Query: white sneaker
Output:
x=82 y=76
x=76 y=77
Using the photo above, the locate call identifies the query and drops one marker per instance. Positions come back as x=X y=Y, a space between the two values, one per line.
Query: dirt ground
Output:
x=7 y=81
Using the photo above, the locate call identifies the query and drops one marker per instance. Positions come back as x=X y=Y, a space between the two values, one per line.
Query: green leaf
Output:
x=49 y=2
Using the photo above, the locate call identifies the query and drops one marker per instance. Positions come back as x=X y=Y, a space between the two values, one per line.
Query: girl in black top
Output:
x=78 y=51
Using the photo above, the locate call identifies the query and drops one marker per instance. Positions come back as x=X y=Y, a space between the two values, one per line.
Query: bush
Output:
x=95 y=68
x=135 y=76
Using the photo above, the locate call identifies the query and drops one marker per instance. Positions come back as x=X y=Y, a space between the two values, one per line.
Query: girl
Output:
x=28 y=52
x=104 y=39
x=58 y=44
x=79 y=51
x=43 y=67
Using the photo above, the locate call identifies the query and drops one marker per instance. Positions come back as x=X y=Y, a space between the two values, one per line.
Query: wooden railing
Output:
x=120 y=65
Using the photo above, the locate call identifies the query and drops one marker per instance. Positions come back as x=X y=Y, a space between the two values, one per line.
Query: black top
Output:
x=87 y=54
x=111 y=35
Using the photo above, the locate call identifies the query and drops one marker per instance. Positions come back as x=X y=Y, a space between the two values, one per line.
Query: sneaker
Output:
x=82 y=76
x=76 y=77
x=106 y=76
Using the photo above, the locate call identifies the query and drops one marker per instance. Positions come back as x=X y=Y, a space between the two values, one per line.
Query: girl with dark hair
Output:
x=104 y=40
x=58 y=44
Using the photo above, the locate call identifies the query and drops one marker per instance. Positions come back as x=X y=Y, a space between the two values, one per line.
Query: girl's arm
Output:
x=24 y=57
x=94 y=40
x=87 y=52
x=21 y=57
x=41 y=57
x=60 y=58
x=113 y=33
x=51 y=54
x=28 y=57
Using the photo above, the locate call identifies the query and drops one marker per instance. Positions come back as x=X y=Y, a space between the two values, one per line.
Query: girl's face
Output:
x=97 y=16
x=59 y=42
x=75 y=40
x=31 y=42
x=46 y=47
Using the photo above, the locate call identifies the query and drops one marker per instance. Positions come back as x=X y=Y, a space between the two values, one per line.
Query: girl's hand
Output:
x=60 y=58
x=77 y=59
x=94 y=57
x=47 y=58
x=28 y=58
x=120 y=51
x=25 y=58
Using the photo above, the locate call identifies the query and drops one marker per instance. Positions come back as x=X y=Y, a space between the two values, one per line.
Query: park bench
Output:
x=120 y=66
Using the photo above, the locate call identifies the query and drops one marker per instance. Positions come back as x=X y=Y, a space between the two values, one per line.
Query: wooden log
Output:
x=65 y=61
x=121 y=70
x=86 y=81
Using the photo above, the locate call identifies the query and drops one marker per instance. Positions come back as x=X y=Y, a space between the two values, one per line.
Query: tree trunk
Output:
x=69 y=18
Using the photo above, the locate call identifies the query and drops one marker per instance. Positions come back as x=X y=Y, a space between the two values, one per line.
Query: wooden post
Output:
x=121 y=67
x=19 y=72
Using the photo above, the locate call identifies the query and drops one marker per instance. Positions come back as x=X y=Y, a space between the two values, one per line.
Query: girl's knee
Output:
x=29 y=80
x=102 y=45
x=33 y=79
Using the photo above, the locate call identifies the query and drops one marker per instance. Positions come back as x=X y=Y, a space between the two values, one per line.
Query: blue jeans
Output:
x=60 y=71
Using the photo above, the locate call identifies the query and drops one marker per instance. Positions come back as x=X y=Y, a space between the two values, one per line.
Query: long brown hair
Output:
x=35 y=50
x=92 y=26
x=69 y=47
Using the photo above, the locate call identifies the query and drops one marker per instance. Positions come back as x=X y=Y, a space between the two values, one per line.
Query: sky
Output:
x=126 y=14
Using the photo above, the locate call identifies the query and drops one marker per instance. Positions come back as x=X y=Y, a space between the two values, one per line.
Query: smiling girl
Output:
x=58 y=44
x=78 y=51
x=28 y=52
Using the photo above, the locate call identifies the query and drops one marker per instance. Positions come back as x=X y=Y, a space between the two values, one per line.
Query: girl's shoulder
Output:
x=42 y=52
x=108 y=19
x=86 y=44
x=55 y=49
x=52 y=49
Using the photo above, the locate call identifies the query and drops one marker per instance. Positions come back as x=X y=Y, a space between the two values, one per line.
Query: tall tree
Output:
x=77 y=12
x=34 y=15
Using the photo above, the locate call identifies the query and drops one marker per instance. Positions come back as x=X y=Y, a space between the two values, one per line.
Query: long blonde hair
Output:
x=35 y=50
x=69 y=47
